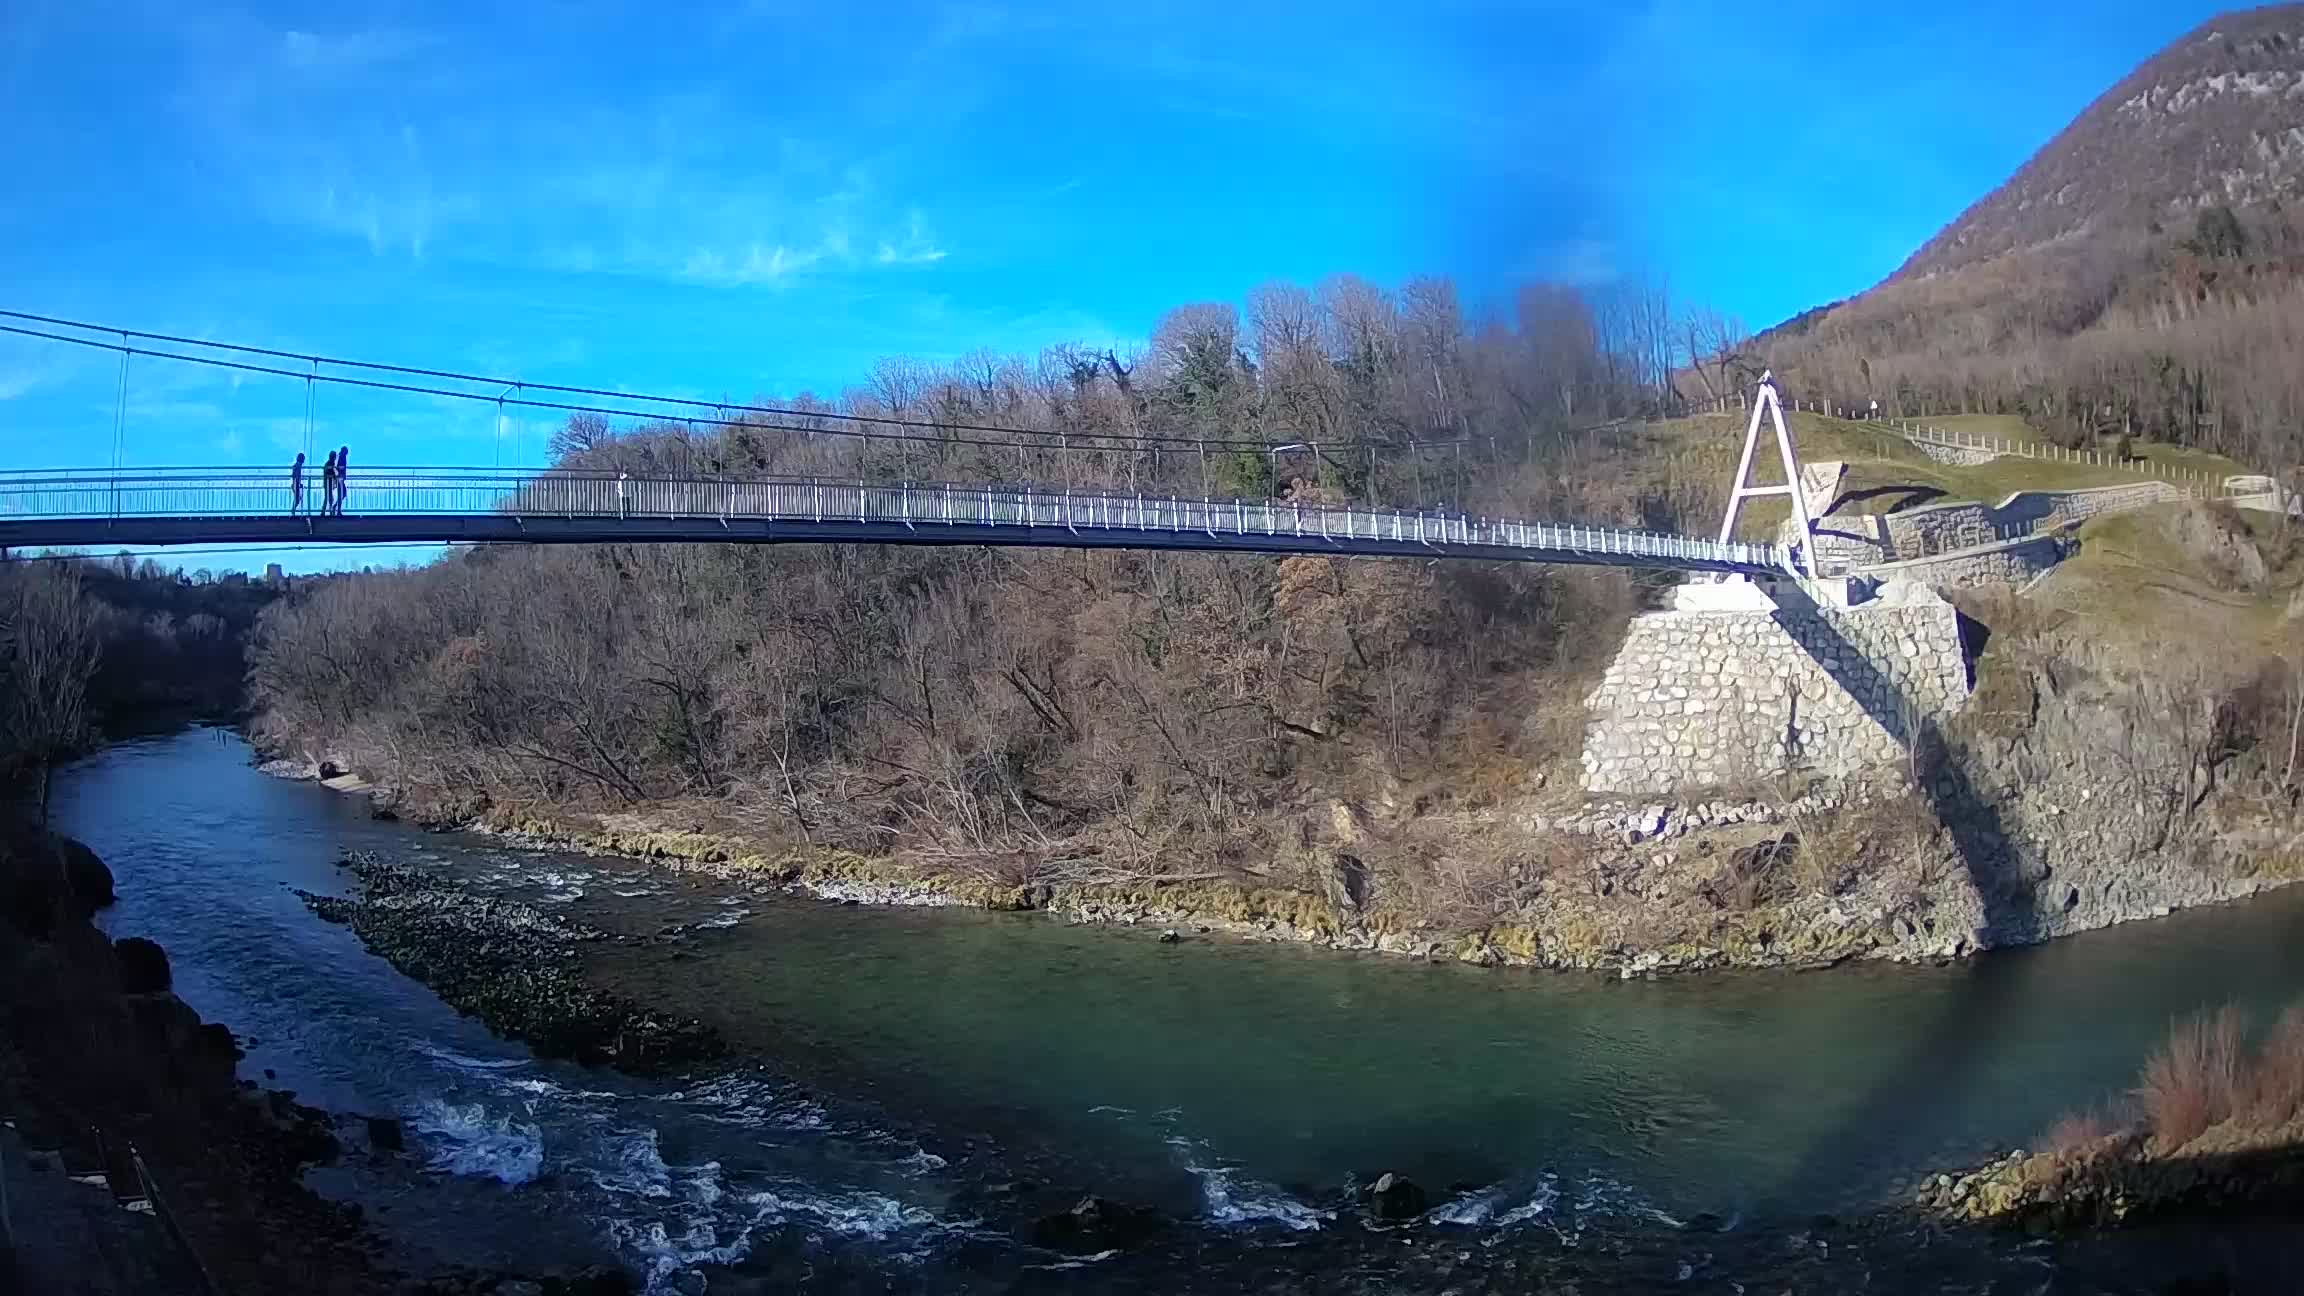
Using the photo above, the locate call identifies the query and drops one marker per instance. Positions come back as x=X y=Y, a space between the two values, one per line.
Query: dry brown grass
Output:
x=1887 y=832
x=1452 y=875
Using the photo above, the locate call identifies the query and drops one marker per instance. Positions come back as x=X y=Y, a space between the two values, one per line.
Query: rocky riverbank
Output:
x=1865 y=869
x=2089 y=779
x=2119 y=1180
x=99 y=1055
x=511 y=966
x=2215 y=1124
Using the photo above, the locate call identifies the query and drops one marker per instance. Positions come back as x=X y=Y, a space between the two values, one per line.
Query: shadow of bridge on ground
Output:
x=1966 y=1028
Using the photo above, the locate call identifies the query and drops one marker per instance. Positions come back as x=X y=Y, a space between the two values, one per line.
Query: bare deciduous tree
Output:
x=49 y=629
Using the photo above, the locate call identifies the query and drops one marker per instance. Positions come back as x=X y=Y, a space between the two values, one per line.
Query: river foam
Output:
x=668 y=1218
x=465 y=1139
x=1504 y=1205
x=1231 y=1199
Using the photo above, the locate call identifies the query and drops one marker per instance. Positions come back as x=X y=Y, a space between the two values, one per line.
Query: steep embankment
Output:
x=95 y=1041
x=98 y=1055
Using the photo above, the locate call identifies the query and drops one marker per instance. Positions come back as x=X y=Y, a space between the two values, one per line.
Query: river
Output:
x=913 y=1061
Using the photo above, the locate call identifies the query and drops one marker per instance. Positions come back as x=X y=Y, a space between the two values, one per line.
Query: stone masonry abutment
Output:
x=1731 y=685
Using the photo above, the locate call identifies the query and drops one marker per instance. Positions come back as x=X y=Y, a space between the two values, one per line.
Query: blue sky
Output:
x=763 y=198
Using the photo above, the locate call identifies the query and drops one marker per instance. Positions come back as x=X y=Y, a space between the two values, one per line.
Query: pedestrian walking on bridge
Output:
x=296 y=486
x=343 y=469
x=328 y=485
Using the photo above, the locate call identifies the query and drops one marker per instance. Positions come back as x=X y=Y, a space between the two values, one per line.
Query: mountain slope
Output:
x=2142 y=275
x=2216 y=118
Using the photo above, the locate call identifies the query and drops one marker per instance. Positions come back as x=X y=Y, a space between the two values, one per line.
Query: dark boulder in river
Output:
x=1395 y=1199
x=1096 y=1224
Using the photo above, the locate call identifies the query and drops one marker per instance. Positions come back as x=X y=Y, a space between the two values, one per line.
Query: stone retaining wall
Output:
x=1866 y=540
x=1697 y=699
x=1941 y=528
x=1845 y=540
x=2010 y=562
x=1956 y=455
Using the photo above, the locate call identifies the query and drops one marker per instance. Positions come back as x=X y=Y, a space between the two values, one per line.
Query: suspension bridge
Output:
x=122 y=505
x=172 y=506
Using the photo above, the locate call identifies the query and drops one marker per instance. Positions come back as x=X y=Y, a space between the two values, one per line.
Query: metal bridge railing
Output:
x=422 y=492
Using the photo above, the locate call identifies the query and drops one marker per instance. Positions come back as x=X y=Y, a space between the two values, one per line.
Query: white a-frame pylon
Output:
x=1765 y=402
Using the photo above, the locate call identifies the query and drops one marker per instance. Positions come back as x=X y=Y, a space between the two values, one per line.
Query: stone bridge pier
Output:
x=1741 y=681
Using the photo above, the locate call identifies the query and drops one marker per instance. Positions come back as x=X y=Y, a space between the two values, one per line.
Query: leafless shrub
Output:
x=1752 y=876
x=2194 y=1081
x=2276 y=1077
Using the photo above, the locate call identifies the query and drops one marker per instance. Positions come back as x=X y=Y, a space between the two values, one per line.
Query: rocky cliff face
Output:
x=94 y=1041
x=2098 y=789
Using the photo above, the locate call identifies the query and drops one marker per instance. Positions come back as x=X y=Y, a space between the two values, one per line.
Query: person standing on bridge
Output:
x=296 y=485
x=328 y=485
x=343 y=467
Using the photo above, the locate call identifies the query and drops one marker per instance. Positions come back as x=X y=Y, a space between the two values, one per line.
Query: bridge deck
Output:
x=184 y=506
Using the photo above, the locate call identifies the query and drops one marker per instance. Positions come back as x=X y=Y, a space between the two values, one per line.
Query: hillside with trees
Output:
x=1102 y=712
x=2142 y=275
x=94 y=649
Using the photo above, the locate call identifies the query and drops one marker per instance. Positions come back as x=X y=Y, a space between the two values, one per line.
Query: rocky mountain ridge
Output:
x=2215 y=119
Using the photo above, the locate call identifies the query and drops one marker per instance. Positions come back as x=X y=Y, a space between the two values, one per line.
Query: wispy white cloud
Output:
x=418 y=146
x=756 y=263
x=336 y=54
x=764 y=262
x=915 y=248
x=22 y=378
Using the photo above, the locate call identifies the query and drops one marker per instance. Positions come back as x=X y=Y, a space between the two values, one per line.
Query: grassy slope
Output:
x=1708 y=444
x=2008 y=427
x=2136 y=576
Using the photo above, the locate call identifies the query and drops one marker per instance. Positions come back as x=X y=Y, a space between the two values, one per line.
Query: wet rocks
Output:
x=512 y=966
x=1096 y=1224
x=1632 y=823
x=1395 y=1199
x=2121 y=1179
